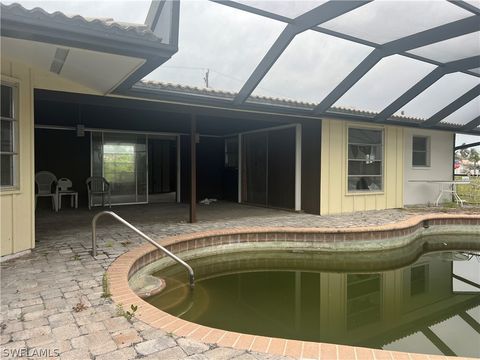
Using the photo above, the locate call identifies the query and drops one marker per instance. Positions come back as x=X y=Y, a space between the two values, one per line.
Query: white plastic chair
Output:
x=64 y=189
x=98 y=185
x=45 y=180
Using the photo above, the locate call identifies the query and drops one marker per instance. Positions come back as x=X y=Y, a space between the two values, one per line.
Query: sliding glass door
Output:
x=268 y=168
x=122 y=160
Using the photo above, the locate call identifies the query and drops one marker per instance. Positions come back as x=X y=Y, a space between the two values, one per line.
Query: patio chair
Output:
x=45 y=180
x=98 y=185
x=64 y=189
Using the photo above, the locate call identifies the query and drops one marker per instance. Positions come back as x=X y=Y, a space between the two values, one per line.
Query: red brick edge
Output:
x=127 y=264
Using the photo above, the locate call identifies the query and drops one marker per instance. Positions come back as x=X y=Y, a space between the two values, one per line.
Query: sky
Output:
x=229 y=43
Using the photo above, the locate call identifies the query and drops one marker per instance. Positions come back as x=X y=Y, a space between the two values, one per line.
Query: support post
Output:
x=298 y=167
x=193 y=169
x=179 y=169
x=240 y=168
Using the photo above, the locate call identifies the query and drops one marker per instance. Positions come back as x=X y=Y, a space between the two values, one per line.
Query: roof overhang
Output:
x=194 y=98
x=140 y=44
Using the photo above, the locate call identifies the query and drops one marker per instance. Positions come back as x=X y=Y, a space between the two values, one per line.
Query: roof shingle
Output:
x=227 y=95
x=105 y=26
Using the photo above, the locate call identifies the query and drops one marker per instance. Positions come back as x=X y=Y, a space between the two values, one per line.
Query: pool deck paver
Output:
x=40 y=290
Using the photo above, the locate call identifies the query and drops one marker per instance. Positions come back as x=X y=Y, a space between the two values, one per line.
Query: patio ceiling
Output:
x=100 y=53
x=438 y=56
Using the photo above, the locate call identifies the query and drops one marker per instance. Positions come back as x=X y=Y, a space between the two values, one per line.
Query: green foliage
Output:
x=129 y=314
x=449 y=205
x=106 y=291
x=471 y=192
x=474 y=157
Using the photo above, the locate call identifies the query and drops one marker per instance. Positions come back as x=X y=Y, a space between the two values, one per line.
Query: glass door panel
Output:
x=255 y=168
x=121 y=159
x=97 y=161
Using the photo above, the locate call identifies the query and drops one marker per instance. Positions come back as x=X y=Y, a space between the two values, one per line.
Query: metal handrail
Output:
x=191 y=275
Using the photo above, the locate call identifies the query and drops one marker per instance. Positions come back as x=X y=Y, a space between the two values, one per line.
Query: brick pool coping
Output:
x=124 y=267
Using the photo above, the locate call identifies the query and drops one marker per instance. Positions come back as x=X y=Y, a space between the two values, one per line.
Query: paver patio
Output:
x=51 y=299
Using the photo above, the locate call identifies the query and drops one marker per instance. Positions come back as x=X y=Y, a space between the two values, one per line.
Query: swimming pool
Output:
x=355 y=251
x=376 y=299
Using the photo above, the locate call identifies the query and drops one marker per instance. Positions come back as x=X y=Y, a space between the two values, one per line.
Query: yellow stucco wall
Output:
x=17 y=216
x=16 y=206
x=334 y=197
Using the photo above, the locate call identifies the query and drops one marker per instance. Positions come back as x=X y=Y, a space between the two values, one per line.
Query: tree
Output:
x=474 y=157
x=465 y=153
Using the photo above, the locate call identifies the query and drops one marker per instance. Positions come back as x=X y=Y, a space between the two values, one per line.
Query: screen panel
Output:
x=439 y=95
x=311 y=66
x=383 y=84
x=452 y=49
x=223 y=41
x=396 y=19
x=290 y=9
x=465 y=114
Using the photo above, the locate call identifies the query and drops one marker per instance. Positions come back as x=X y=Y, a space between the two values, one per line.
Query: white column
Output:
x=298 y=167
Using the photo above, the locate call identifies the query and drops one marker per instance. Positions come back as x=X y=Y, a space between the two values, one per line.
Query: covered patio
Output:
x=145 y=150
x=159 y=219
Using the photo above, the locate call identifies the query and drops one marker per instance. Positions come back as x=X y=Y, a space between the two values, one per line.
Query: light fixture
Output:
x=58 y=60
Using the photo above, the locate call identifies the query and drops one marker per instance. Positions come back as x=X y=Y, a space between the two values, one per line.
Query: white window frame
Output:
x=15 y=122
x=382 y=173
x=427 y=151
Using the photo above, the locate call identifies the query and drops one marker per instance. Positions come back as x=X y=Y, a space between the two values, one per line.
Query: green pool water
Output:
x=429 y=306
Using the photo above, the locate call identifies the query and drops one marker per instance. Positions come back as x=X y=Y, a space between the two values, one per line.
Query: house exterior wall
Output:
x=335 y=198
x=16 y=206
x=17 y=215
x=441 y=163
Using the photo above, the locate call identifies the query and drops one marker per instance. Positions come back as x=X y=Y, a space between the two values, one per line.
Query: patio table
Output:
x=446 y=187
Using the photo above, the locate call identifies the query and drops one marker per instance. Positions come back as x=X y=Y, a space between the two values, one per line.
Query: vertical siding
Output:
x=17 y=224
x=6 y=228
x=17 y=214
x=334 y=196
